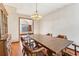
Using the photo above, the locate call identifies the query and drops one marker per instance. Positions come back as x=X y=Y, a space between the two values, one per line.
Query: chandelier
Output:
x=36 y=16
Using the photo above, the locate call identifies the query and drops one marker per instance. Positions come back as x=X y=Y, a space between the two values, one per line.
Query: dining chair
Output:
x=75 y=48
x=33 y=52
x=22 y=40
x=73 y=52
x=49 y=34
x=62 y=36
x=29 y=50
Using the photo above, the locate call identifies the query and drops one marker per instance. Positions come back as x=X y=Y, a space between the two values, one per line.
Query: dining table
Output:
x=53 y=44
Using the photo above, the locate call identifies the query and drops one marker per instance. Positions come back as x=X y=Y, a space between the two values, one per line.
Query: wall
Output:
x=36 y=26
x=12 y=23
x=62 y=21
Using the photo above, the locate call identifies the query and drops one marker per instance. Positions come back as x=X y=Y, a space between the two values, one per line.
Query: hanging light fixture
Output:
x=36 y=16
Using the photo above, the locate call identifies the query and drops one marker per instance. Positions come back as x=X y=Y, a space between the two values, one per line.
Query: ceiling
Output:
x=29 y=8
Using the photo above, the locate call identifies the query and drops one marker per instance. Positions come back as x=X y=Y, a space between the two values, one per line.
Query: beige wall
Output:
x=63 y=21
x=36 y=26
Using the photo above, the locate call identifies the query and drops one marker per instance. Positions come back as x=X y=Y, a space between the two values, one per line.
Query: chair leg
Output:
x=23 y=52
x=75 y=51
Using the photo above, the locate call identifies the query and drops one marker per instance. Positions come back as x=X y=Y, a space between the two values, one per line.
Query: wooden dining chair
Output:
x=22 y=40
x=62 y=36
x=30 y=41
x=75 y=48
x=33 y=52
x=49 y=34
x=27 y=50
x=73 y=52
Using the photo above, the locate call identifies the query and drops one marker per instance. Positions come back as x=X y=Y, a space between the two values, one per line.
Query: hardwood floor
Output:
x=16 y=50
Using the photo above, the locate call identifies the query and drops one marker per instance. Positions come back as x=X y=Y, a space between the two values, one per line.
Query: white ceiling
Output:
x=43 y=8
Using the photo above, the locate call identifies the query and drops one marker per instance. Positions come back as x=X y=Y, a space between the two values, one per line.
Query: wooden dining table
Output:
x=55 y=45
